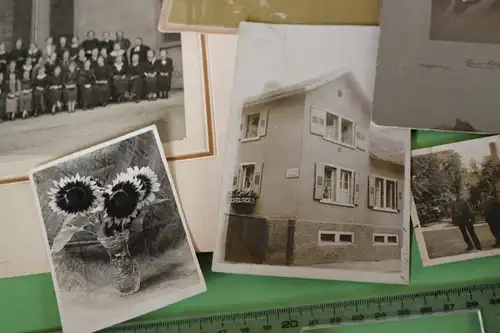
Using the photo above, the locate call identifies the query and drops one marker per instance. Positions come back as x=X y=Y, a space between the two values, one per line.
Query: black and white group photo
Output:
x=456 y=192
x=116 y=236
x=469 y=21
x=73 y=71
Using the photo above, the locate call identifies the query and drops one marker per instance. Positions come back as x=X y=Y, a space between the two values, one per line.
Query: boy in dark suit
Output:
x=136 y=77
x=102 y=77
x=19 y=53
x=85 y=81
x=106 y=42
x=165 y=68
x=40 y=83
x=90 y=43
x=150 y=76
x=120 y=79
x=463 y=217
x=62 y=47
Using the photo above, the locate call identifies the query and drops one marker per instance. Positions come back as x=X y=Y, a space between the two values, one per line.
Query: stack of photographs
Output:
x=115 y=232
x=53 y=105
x=312 y=188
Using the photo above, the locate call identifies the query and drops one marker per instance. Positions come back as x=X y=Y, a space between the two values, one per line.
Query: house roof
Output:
x=383 y=148
x=309 y=85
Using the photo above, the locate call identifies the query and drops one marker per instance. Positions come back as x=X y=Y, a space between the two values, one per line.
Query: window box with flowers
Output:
x=246 y=187
x=243 y=201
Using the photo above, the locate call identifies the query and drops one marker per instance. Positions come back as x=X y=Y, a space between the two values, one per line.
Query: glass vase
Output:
x=124 y=269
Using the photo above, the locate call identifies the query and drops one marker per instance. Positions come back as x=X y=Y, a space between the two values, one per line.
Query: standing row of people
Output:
x=33 y=82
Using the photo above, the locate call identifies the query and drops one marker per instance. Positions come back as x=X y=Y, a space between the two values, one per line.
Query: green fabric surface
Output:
x=28 y=304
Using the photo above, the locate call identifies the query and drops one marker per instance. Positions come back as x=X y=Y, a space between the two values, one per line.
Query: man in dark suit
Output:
x=18 y=53
x=106 y=42
x=463 y=217
x=140 y=49
x=492 y=215
x=90 y=43
x=124 y=42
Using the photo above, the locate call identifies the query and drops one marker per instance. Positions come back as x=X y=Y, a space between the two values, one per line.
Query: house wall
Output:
x=393 y=171
x=42 y=21
x=315 y=149
x=15 y=21
x=308 y=253
x=7 y=22
x=278 y=150
x=134 y=18
x=313 y=215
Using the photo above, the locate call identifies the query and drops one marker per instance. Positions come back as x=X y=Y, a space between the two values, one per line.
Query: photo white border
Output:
x=200 y=129
x=401 y=278
x=153 y=304
x=419 y=234
x=233 y=132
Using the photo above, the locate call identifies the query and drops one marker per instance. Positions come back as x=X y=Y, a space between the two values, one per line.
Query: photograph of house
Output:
x=456 y=208
x=314 y=184
x=469 y=21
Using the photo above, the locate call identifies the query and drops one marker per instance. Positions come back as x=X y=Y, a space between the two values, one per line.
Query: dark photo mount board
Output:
x=437 y=68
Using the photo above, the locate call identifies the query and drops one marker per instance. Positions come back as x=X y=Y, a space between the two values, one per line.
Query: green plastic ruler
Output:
x=484 y=297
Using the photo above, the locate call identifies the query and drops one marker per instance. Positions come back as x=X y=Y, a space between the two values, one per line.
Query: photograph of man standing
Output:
x=492 y=215
x=463 y=217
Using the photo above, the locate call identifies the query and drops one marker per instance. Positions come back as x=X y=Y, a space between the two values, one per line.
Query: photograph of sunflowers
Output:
x=116 y=234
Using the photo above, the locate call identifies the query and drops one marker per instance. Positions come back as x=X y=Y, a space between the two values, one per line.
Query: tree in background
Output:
x=483 y=176
x=437 y=178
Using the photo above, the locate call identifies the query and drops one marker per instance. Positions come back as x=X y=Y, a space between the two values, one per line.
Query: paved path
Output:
x=449 y=242
x=64 y=132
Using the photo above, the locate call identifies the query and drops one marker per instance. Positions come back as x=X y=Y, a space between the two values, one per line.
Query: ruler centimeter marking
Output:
x=484 y=297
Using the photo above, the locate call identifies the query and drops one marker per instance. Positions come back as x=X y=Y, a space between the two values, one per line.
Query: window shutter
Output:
x=361 y=138
x=319 y=181
x=371 y=191
x=318 y=121
x=399 y=199
x=263 y=122
x=257 y=178
x=236 y=177
x=242 y=127
x=356 y=198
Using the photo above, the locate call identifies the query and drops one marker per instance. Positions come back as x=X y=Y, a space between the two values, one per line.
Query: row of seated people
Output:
x=55 y=85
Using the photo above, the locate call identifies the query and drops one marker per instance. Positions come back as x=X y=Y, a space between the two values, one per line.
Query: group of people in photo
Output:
x=66 y=75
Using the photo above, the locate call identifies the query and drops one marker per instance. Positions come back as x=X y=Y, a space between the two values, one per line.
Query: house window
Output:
x=332 y=126
x=247 y=179
x=252 y=126
x=385 y=193
x=338 y=185
x=385 y=239
x=347 y=132
x=335 y=238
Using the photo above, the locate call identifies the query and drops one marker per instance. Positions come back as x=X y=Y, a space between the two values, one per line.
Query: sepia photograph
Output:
x=115 y=233
x=468 y=21
x=75 y=73
x=456 y=206
x=447 y=61
x=313 y=190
